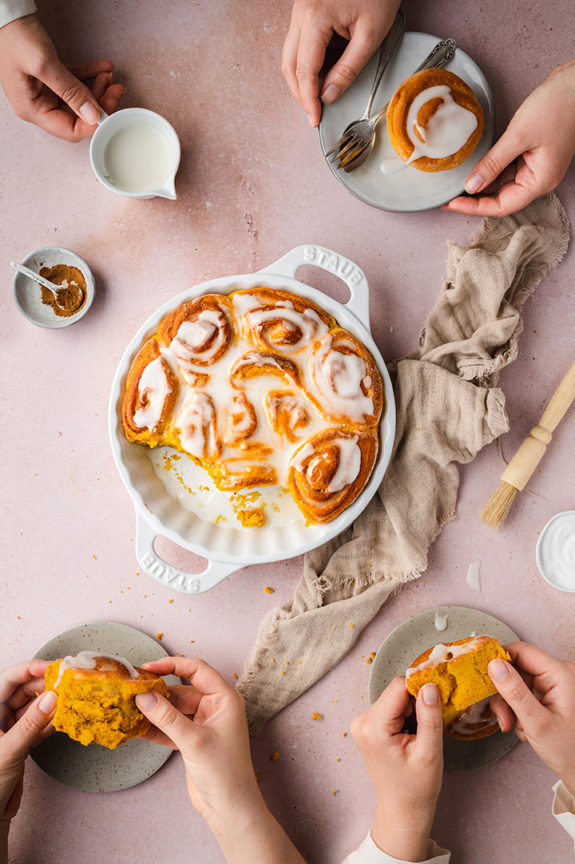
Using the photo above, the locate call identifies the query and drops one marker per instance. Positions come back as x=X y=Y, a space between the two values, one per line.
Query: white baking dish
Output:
x=229 y=548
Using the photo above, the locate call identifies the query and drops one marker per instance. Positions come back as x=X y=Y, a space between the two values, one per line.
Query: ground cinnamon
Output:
x=73 y=294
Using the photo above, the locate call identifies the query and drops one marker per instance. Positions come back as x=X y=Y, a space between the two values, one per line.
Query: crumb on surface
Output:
x=317 y=715
x=235 y=675
x=171 y=601
x=369 y=659
x=159 y=635
x=335 y=791
x=275 y=756
x=269 y=590
x=344 y=734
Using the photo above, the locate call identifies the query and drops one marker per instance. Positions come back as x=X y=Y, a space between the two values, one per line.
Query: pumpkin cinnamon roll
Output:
x=347 y=383
x=278 y=320
x=151 y=393
x=96 y=697
x=330 y=470
x=434 y=120
x=287 y=413
x=198 y=333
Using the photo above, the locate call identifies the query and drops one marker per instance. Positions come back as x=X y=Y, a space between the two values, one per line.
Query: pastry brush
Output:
x=527 y=458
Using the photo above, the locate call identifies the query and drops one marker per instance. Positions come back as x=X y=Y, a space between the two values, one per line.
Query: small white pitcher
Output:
x=125 y=121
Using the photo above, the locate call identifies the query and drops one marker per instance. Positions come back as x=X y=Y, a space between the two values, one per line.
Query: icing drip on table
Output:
x=447 y=130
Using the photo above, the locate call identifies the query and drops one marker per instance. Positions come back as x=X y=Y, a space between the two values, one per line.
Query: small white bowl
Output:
x=28 y=294
x=555 y=551
x=125 y=119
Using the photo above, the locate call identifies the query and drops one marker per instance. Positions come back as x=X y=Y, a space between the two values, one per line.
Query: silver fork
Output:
x=387 y=50
x=357 y=141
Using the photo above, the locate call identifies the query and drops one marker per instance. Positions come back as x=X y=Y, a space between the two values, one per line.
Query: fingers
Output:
x=535 y=661
x=166 y=717
x=429 y=711
x=310 y=56
x=111 y=97
x=21 y=673
x=204 y=678
x=503 y=713
x=72 y=90
x=392 y=706
x=516 y=693
x=87 y=71
x=27 y=731
x=359 y=49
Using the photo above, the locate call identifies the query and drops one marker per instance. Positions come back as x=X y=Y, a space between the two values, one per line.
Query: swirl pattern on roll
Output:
x=261 y=387
x=327 y=473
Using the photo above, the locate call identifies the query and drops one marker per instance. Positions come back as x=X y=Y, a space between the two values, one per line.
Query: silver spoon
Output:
x=51 y=286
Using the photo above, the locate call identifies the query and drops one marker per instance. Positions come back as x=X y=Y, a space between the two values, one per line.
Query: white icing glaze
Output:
x=473 y=577
x=87 y=660
x=153 y=388
x=440 y=621
x=307 y=322
x=441 y=653
x=447 y=130
x=196 y=423
x=474 y=719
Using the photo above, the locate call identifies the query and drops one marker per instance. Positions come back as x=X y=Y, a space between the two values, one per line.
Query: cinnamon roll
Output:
x=261 y=387
x=459 y=669
x=151 y=394
x=278 y=320
x=348 y=385
x=434 y=120
x=96 y=697
x=329 y=471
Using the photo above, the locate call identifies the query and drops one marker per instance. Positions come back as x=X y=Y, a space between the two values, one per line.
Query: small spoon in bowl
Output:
x=51 y=286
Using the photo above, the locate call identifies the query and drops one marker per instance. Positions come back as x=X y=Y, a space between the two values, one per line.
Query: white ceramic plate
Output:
x=415 y=636
x=408 y=189
x=28 y=294
x=555 y=551
x=227 y=547
x=95 y=768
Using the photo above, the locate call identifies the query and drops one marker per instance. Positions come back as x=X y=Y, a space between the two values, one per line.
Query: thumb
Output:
x=166 y=717
x=429 y=711
x=494 y=162
x=26 y=732
x=73 y=92
x=516 y=693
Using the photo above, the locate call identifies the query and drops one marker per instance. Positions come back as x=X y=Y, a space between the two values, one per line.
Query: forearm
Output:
x=254 y=837
x=403 y=837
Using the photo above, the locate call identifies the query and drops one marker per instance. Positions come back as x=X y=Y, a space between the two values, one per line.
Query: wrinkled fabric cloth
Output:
x=448 y=408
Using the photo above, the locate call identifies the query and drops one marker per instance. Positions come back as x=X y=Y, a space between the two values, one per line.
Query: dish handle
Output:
x=326 y=259
x=157 y=568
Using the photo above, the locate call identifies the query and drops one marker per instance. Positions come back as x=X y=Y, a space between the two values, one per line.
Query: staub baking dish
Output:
x=229 y=547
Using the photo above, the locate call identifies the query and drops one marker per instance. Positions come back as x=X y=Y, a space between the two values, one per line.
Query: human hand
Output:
x=541 y=137
x=43 y=91
x=313 y=23
x=538 y=698
x=406 y=770
x=23 y=723
x=207 y=723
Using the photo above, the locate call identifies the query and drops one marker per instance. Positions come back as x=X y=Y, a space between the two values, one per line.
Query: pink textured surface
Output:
x=252 y=184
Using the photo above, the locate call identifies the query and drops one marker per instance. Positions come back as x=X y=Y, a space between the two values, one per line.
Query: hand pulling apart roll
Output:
x=261 y=387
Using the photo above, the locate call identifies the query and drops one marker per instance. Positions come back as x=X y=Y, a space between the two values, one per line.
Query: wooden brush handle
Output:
x=532 y=449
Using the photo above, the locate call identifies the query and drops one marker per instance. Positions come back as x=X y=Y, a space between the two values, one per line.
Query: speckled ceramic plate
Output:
x=95 y=768
x=415 y=636
x=408 y=189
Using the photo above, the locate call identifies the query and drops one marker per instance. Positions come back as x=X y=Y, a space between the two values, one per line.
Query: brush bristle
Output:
x=496 y=510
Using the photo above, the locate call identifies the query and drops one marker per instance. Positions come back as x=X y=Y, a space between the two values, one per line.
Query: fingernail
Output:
x=430 y=694
x=146 y=700
x=498 y=670
x=474 y=183
x=47 y=701
x=90 y=113
x=330 y=94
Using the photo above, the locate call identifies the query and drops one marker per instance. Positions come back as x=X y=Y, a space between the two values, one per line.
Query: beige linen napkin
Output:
x=448 y=408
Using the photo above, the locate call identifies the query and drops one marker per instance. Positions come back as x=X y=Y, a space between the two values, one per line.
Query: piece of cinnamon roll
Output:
x=276 y=320
x=434 y=120
x=348 y=385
